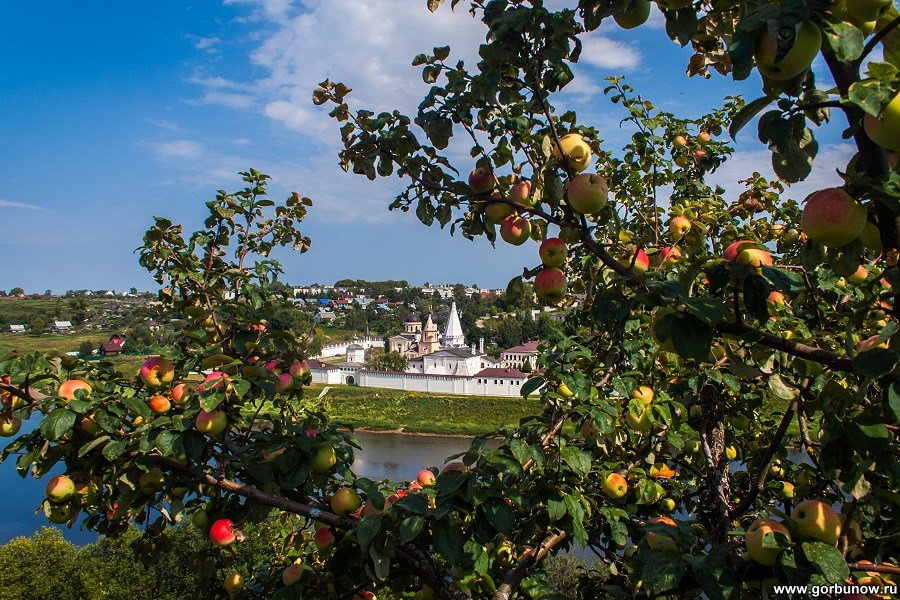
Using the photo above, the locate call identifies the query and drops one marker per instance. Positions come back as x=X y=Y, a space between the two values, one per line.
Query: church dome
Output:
x=413 y=318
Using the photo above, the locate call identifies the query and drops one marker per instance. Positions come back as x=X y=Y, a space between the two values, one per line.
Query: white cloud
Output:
x=607 y=53
x=177 y=149
x=207 y=44
x=744 y=163
x=8 y=204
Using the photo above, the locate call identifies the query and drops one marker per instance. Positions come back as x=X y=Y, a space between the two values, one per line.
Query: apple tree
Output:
x=720 y=408
x=721 y=414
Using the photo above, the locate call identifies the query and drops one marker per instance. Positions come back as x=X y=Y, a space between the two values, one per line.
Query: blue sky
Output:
x=112 y=113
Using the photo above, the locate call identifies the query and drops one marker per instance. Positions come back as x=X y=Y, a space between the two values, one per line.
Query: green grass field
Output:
x=414 y=412
x=126 y=364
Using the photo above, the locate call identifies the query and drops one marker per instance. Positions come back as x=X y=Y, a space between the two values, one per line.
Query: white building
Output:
x=356 y=353
x=517 y=356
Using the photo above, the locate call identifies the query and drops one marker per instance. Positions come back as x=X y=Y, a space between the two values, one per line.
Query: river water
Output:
x=397 y=457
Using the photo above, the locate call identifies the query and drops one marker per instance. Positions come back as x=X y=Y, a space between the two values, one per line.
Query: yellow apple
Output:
x=615 y=486
x=576 y=150
x=644 y=394
x=757 y=533
x=817 y=520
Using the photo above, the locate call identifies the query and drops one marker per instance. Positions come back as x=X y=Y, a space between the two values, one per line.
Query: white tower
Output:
x=453 y=334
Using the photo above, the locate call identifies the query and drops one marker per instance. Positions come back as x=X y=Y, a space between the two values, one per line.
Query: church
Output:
x=430 y=353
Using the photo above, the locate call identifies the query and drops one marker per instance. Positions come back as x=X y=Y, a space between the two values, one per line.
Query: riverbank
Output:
x=397 y=411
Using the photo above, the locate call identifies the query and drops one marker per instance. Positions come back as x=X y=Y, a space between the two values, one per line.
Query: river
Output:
x=393 y=456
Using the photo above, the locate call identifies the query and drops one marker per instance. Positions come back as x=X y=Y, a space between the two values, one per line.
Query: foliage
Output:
x=388 y=361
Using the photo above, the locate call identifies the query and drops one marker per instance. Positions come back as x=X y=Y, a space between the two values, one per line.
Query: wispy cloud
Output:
x=8 y=204
x=207 y=44
x=607 y=53
x=176 y=148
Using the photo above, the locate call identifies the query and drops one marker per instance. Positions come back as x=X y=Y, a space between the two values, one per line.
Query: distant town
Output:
x=446 y=339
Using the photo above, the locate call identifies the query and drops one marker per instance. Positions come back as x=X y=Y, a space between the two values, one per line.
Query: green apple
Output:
x=634 y=14
x=806 y=47
x=867 y=10
x=640 y=423
x=885 y=129
x=324 y=459
x=588 y=193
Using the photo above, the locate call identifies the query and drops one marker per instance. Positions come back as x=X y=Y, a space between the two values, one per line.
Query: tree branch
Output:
x=512 y=580
x=758 y=483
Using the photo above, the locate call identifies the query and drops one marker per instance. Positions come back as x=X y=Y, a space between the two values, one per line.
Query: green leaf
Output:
x=500 y=515
x=410 y=527
x=827 y=560
x=691 y=337
x=165 y=441
x=58 y=423
x=746 y=114
x=514 y=290
x=532 y=385
x=756 y=292
x=449 y=482
x=92 y=444
x=556 y=508
x=414 y=503
x=780 y=389
x=873 y=438
x=448 y=540
x=138 y=407
x=894 y=400
x=783 y=280
x=578 y=461
x=114 y=449
x=367 y=529
x=875 y=362
x=845 y=40
x=659 y=570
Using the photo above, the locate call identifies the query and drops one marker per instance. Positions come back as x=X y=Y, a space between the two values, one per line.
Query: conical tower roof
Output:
x=453 y=334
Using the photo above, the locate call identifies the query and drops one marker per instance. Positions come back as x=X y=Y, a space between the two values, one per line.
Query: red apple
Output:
x=553 y=252
x=776 y=298
x=214 y=381
x=324 y=538
x=455 y=466
x=587 y=193
x=641 y=262
x=745 y=252
x=285 y=383
x=515 y=230
x=859 y=275
x=292 y=574
x=222 y=533
x=669 y=256
x=832 y=217
x=60 y=489
x=68 y=388
x=550 y=285
x=658 y=541
x=426 y=478
x=481 y=180
x=160 y=404
x=157 y=371
x=181 y=393
x=520 y=193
